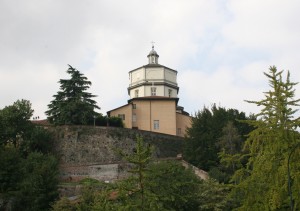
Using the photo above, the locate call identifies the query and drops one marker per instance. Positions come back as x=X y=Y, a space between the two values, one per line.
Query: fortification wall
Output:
x=86 y=151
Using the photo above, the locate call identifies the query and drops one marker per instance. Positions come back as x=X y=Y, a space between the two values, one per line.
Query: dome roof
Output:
x=153 y=52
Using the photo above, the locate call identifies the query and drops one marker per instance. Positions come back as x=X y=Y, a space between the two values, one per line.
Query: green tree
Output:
x=38 y=139
x=101 y=120
x=174 y=186
x=10 y=171
x=28 y=179
x=230 y=141
x=38 y=188
x=202 y=145
x=64 y=204
x=17 y=129
x=15 y=122
x=230 y=144
x=213 y=196
x=140 y=159
x=264 y=181
x=72 y=104
x=27 y=183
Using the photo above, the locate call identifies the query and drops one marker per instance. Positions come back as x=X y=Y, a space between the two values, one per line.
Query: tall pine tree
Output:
x=264 y=182
x=72 y=104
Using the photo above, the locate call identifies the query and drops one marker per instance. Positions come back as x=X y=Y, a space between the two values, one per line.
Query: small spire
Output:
x=152 y=45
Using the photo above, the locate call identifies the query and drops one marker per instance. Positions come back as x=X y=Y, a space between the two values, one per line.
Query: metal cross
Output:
x=152 y=44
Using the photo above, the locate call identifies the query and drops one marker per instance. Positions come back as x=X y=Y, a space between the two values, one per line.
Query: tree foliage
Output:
x=38 y=187
x=101 y=120
x=72 y=104
x=213 y=196
x=263 y=183
x=230 y=141
x=10 y=171
x=174 y=186
x=28 y=173
x=140 y=159
x=15 y=122
x=205 y=137
x=230 y=154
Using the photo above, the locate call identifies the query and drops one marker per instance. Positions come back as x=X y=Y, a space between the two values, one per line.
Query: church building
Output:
x=153 y=104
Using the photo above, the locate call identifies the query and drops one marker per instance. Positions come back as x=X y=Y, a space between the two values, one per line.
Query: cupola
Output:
x=153 y=56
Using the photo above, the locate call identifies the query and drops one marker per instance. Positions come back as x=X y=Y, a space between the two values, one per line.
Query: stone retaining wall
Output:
x=87 y=151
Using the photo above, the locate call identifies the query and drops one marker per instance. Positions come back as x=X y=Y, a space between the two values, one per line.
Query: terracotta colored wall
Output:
x=183 y=122
x=150 y=110
x=128 y=115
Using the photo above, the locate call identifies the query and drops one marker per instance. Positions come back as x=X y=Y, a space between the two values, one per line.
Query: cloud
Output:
x=219 y=48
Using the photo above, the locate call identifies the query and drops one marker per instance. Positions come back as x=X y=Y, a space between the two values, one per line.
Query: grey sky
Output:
x=220 y=48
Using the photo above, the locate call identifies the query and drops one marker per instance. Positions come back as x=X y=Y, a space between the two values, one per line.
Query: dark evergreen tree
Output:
x=230 y=141
x=202 y=145
x=230 y=144
x=72 y=104
x=38 y=187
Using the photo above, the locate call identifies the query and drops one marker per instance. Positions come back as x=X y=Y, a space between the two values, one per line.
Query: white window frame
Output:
x=179 y=131
x=133 y=117
x=156 y=124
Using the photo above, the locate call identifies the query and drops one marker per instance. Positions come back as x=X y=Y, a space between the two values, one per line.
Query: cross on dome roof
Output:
x=153 y=52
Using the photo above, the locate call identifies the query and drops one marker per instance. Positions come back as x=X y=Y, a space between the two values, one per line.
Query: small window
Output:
x=178 y=131
x=122 y=116
x=156 y=124
x=153 y=91
x=170 y=92
x=136 y=93
x=133 y=106
x=134 y=117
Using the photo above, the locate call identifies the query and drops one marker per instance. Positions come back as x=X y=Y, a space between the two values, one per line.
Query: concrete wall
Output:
x=87 y=151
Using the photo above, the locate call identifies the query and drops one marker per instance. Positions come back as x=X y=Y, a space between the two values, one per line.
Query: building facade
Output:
x=153 y=104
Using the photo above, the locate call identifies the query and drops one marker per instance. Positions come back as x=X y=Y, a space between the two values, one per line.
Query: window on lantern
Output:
x=153 y=91
x=170 y=92
x=136 y=93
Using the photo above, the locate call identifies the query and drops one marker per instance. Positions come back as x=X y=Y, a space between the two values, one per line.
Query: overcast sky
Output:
x=220 y=48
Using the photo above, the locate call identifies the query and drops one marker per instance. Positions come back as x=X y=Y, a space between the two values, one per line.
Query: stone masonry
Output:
x=87 y=151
